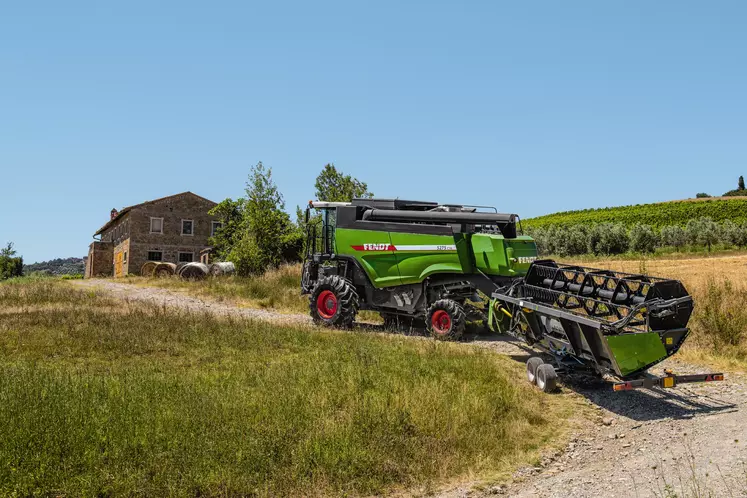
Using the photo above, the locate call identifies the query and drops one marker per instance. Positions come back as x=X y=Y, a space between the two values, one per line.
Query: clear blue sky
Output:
x=534 y=106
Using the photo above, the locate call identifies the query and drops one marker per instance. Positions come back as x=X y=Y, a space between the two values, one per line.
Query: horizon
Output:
x=534 y=109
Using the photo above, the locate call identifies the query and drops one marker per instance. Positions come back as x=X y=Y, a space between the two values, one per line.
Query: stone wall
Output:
x=99 y=261
x=171 y=241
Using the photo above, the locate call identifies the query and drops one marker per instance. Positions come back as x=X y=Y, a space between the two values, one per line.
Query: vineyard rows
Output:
x=655 y=215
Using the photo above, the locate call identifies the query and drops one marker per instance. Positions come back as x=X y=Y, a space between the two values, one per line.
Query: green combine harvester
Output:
x=448 y=265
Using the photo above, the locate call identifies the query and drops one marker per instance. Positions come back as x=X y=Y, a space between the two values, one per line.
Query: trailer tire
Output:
x=446 y=320
x=532 y=364
x=334 y=302
x=547 y=378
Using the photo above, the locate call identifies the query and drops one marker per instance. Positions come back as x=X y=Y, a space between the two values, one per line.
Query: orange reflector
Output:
x=668 y=381
x=718 y=377
x=626 y=386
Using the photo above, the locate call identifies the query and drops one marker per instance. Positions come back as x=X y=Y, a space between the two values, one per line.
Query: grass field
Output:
x=102 y=397
x=656 y=215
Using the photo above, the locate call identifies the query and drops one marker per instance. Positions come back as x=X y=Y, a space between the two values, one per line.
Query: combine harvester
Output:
x=449 y=264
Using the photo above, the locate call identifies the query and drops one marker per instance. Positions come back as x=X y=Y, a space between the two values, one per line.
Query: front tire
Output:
x=334 y=302
x=446 y=320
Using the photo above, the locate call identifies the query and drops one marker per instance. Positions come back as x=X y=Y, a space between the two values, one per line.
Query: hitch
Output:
x=669 y=380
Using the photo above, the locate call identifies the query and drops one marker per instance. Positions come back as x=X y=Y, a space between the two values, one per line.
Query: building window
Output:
x=155 y=256
x=124 y=260
x=187 y=227
x=156 y=225
x=186 y=257
x=216 y=226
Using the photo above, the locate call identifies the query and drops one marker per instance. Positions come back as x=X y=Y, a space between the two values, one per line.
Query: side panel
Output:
x=421 y=255
x=373 y=250
x=524 y=250
x=636 y=351
x=496 y=255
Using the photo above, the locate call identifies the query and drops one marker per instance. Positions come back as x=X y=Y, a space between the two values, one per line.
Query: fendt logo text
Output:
x=374 y=247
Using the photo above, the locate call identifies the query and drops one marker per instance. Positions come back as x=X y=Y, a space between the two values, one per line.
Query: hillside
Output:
x=59 y=266
x=656 y=215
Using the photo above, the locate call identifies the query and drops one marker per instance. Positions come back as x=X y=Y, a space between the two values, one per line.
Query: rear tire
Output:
x=547 y=378
x=532 y=364
x=334 y=302
x=446 y=320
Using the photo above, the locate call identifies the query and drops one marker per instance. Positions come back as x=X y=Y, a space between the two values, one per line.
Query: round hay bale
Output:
x=222 y=268
x=148 y=268
x=194 y=271
x=164 y=269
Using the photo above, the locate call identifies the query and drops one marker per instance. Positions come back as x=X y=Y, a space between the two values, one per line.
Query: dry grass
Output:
x=277 y=289
x=718 y=285
x=152 y=401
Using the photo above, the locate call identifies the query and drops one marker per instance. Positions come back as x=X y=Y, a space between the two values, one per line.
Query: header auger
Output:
x=448 y=265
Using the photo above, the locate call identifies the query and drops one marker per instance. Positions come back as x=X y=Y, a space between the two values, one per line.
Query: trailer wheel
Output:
x=334 y=302
x=532 y=364
x=547 y=379
x=446 y=320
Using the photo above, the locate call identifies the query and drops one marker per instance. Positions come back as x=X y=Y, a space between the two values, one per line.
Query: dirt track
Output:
x=694 y=435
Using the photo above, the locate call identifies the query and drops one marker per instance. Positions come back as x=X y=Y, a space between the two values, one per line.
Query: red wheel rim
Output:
x=326 y=304
x=441 y=322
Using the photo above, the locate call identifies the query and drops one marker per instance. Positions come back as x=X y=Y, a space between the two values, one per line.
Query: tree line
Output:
x=616 y=238
x=257 y=233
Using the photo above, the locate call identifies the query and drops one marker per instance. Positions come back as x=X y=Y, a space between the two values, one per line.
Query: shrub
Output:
x=247 y=257
x=10 y=264
x=643 y=238
x=673 y=236
x=608 y=238
x=572 y=240
x=702 y=231
x=701 y=195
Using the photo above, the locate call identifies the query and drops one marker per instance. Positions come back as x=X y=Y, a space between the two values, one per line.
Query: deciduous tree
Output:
x=335 y=186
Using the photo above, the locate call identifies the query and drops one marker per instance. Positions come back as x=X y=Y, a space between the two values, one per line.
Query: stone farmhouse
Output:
x=172 y=229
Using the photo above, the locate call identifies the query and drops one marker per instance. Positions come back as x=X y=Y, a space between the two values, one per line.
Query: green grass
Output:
x=656 y=215
x=100 y=397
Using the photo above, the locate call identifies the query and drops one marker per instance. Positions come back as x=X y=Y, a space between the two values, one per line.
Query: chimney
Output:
x=114 y=213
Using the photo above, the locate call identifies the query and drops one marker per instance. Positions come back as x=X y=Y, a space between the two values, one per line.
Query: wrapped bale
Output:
x=148 y=268
x=222 y=268
x=194 y=271
x=165 y=269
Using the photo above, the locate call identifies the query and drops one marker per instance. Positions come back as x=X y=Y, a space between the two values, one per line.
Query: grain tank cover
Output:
x=395 y=204
x=438 y=217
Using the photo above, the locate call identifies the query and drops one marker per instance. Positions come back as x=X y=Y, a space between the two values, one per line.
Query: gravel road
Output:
x=692 y=438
